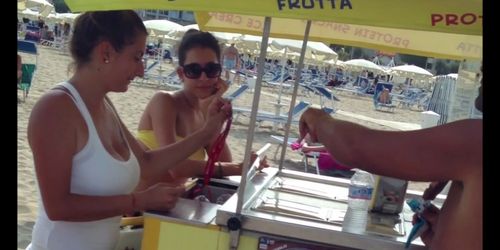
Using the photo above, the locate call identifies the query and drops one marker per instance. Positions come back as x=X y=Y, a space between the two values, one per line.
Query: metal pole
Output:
x=253 y=115
x=294 y=95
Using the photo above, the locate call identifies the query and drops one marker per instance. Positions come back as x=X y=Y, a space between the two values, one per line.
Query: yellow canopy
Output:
x=449 y=29
x=424 y=43
x=450 y=16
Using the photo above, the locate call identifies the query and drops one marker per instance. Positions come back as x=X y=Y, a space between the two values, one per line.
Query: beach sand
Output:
x=52 y=69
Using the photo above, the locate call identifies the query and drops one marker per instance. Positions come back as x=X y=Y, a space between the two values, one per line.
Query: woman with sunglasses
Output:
x=170 y=117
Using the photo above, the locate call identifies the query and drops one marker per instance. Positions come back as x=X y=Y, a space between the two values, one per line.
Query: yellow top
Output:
x=147 y=137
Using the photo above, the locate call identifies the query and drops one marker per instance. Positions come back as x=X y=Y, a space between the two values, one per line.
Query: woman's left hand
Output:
x=263 y=161
x=221 y=87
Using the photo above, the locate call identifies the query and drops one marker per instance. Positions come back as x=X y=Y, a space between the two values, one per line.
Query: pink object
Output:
x=326 y=162
x=296 y=145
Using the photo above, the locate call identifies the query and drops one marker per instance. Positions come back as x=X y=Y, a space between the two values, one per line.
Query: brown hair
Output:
x=197 y=39
x=119 y=27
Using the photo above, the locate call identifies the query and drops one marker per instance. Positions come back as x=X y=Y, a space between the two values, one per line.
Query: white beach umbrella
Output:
x=42 y=6
x=178 y=33
x=226 y=37
x=363 y=64
x=68 y=17
x=410 y=71
x=248 y=44
x=31 y=14
x=162 y=27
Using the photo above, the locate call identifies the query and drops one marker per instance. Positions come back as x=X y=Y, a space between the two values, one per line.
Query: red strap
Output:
x=213 y=156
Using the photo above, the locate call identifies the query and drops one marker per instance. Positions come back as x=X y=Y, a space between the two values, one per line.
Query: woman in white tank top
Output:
x=87 y=162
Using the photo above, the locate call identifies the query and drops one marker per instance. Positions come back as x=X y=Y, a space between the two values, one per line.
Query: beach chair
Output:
x=172 y=80
x=263 y=116
x=238 y=92
x=378 y=101
x=324 y=92
x=305 y=156
x=28 y=69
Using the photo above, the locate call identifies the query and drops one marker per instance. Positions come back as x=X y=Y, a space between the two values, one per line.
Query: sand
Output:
x=52 y=69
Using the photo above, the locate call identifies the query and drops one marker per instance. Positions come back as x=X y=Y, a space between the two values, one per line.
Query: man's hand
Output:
x=431 y=216
x=309 y=121
x=433 y=190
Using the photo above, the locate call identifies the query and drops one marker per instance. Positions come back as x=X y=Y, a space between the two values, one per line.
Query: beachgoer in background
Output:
x=231 y=60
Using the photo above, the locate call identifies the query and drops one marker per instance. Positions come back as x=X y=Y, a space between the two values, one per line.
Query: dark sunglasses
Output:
x=194 y=70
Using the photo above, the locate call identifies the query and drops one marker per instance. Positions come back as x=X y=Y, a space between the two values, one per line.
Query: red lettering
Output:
x=435 y=18
x=451 y=19
x=454 y=19
x=463 y=19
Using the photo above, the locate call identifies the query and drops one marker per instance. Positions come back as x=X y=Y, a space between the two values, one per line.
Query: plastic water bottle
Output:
x=360 y=194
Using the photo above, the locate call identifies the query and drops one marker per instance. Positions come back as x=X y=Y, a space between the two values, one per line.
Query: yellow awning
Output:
x=424 y=43
x=449 y=16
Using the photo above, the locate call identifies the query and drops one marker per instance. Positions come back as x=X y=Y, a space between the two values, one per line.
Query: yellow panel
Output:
x=181 y=236
x=247 y=242
x=151 y=233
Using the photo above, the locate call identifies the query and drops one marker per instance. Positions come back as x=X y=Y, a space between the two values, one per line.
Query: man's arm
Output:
x=446 y=152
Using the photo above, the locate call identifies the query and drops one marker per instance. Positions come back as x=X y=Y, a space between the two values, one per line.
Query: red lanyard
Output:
x=214 y=154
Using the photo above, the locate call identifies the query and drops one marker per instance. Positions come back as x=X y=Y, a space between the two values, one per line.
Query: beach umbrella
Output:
x=68 y=17
x=178 y=33
x=363 y=64
x=43 y=7
x=226 y=37
x=410 y=71
x=31 y=14
x=161 y=27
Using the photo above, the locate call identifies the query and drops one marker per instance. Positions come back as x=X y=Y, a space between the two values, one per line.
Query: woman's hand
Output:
x=221 y=87
x=161 y=196
x=218 y=111
x=262 y=164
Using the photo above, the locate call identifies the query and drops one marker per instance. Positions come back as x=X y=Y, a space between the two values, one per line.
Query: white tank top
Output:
x=94 y=172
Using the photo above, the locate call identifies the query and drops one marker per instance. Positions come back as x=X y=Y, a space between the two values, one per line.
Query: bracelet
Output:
x=220 y=169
